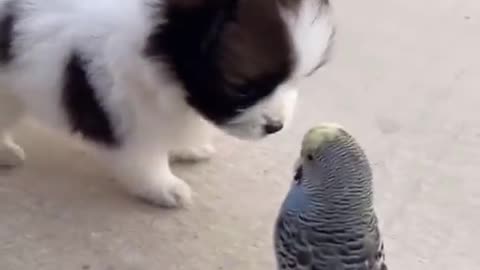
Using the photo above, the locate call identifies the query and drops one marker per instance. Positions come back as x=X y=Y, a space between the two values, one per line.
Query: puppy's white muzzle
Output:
x=267 y=117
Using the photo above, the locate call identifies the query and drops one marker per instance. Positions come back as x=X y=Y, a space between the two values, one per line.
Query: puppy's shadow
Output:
x=64 y=204
x=63 y=175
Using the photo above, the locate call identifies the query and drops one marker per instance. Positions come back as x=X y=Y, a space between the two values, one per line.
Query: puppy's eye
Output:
x=247 y=91
x=241 y=92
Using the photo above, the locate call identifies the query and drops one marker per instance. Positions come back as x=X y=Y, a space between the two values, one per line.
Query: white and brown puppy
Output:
x=141 y=79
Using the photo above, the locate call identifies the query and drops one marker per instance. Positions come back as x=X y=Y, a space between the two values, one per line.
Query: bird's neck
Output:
x=297 y=199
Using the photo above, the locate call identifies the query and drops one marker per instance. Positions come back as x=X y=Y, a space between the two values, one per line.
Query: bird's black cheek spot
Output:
x=298 y=175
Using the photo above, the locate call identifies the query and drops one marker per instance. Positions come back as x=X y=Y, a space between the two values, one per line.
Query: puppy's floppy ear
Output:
x=257 y=44
x=188 y=36
x=202 y=18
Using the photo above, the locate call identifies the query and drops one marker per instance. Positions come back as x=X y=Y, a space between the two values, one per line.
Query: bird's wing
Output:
x=375 y=250
x=299 y=248
x=291 y=252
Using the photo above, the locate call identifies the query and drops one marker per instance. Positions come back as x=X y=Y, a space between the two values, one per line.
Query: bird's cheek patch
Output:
x=298 y=175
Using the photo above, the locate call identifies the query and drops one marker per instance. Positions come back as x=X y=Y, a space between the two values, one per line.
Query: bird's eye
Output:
x=298 y=175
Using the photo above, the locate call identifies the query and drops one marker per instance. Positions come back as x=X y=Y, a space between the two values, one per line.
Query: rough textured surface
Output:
x=404 y=80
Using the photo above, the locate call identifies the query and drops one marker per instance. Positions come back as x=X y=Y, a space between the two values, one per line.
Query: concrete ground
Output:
x=404 y=80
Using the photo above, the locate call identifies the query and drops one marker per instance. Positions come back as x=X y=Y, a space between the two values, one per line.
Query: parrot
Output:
x=327 y=220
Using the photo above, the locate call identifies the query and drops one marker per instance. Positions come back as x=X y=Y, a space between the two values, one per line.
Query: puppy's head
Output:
x=238 y=60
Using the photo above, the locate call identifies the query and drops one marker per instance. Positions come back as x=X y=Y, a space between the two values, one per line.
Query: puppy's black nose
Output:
x=273 y=127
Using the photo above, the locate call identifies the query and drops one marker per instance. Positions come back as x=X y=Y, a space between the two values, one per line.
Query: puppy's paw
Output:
x=170 y=192
x=11 y=155
x=194 y=154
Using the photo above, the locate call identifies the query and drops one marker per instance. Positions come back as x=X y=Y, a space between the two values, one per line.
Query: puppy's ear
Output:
x=203 y=20
x=189 y=36
x=257 y=44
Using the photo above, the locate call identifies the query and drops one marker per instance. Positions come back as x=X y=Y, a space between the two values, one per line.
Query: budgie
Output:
x=327 y=220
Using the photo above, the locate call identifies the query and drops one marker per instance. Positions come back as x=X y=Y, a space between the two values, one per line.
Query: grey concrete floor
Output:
x=404 y=80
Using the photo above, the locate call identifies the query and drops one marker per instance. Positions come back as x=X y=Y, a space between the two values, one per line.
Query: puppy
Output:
x=145 y=79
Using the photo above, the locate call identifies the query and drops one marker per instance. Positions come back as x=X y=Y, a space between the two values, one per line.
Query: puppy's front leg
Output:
x=11 y=155
x=198 y=144
x=145 y=173
x=197 y=153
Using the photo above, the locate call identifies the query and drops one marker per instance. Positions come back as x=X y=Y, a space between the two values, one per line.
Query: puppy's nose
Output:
x=273 y=127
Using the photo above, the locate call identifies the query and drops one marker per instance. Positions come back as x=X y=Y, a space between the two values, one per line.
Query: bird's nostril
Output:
x=273 y=127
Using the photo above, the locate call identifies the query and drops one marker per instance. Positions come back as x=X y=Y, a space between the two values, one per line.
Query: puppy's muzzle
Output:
x=272 y=126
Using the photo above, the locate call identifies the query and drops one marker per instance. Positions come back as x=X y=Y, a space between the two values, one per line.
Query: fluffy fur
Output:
x=145 y=79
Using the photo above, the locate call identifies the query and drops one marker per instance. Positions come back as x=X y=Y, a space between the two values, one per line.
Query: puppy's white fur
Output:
x=149 y=110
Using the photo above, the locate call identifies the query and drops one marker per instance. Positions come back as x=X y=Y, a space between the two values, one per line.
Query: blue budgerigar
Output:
x=327 y=221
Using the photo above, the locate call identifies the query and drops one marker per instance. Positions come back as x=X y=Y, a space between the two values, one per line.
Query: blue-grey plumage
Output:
x=327 y=220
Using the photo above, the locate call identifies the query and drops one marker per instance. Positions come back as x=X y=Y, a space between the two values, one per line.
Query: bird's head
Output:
x=329 y=152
